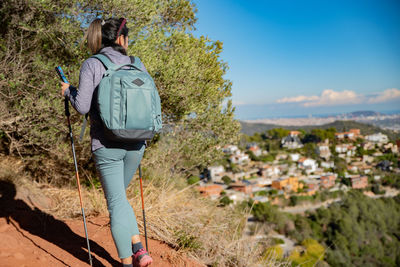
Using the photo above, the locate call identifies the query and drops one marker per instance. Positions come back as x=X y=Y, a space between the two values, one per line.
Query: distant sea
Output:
x=321 y=115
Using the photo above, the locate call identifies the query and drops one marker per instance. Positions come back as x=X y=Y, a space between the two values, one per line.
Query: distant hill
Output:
x=364 y=113
x=340 y=126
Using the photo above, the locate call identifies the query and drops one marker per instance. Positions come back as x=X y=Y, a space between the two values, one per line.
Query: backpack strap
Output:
x=105 y=60
x=136 y=62
x=84 y=123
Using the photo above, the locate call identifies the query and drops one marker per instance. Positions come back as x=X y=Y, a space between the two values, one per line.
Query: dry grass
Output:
x=192 y=224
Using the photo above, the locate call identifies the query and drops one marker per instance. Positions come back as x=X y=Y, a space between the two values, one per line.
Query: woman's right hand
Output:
x=64 y=86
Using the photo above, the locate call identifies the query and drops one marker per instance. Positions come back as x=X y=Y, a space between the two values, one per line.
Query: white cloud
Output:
x=385 y=96
x=333 y=98
x=327 y=98
x=296 y=99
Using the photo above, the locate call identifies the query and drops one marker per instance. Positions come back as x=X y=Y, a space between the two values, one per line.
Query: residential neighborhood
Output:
x=348 y=160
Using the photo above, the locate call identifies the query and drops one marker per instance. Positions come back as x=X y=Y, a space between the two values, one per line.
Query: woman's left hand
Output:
x=64 y=86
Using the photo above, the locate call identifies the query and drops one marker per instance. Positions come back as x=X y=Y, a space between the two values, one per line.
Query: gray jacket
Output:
x=82 y=99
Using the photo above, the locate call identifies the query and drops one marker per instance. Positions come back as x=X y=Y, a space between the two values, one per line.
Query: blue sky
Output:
x=307 y=57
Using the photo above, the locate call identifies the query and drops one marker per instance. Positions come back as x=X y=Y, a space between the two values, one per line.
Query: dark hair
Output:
x=104 y=33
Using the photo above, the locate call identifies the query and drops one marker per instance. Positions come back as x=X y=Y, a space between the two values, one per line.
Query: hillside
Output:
x=362 y=231
x=42 y=222
x=36 y=152
x=251 y=128
x=30 y=237
x=364 y=113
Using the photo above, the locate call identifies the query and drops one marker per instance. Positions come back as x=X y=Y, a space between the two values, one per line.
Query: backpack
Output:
x=128 y=102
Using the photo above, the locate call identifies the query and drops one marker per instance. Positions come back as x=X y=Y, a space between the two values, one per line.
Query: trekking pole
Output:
x=66 y=101
x=144 y=218
x=67 y=114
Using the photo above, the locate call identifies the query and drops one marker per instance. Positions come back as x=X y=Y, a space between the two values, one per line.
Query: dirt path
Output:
x=31 y=237
x=389 y=192
x=22 y=246
x=309 y=206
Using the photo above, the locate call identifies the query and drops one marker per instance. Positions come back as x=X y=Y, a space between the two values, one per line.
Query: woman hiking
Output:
x=116 y=162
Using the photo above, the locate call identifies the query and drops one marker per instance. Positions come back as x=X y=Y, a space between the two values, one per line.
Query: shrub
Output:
x=275 y=252
x=227 y=180
x=313 y=253
x=225 y=201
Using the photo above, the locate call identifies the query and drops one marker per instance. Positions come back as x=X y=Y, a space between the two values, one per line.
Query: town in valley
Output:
x=308 y=170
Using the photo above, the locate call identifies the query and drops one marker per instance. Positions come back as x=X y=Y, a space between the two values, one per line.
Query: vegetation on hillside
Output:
x=358 y=231
x=38 y=35
x=340 y=126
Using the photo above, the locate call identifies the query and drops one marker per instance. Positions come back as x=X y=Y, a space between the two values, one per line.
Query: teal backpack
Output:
x=128 y=102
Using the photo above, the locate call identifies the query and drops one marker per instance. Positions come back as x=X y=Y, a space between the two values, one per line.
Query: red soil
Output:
x=31 y=237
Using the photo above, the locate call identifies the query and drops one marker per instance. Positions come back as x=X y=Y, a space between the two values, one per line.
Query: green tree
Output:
x=188 y=72
x=266 y=158
x=193 y=179
x=272 y=145
x=293 y=201
x=252 y=156
x=265 y=212
x=309 y=150
x=319 y=135
x=278 y=133
x=226 y=179
x=340 y=166
x=225 y=201
x=359 y=230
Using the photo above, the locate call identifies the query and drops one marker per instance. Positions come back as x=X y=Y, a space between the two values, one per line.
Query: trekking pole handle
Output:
x=60 y=73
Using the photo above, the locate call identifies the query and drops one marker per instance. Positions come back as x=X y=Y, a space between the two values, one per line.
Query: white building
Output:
x=294 y=156
x=256 y=150
x=327 y=164
x=351 y=151
x=261 y=199
x=349 y=135
x=368 y=146
x=391 y=147
x=269 y=171
x=341 y=148
x=377 y=138
x=236 y=196
x=230 y=149
x=309 y=165
x=313 y=176
x=261 y=182
x=239 y=158
x=291 y=142
x=215 y=172
x=323 y=151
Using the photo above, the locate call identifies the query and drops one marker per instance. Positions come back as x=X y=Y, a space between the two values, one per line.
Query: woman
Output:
x=116 y=162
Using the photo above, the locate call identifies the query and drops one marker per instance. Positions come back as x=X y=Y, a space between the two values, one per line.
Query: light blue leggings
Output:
x=117 y=167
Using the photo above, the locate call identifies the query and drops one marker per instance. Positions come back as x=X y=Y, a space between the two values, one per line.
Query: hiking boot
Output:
x=141 y=258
